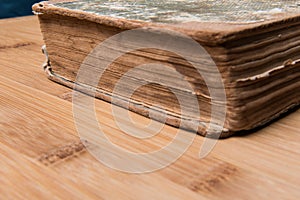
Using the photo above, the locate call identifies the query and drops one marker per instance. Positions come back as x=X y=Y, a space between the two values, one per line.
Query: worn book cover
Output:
x=244 y=73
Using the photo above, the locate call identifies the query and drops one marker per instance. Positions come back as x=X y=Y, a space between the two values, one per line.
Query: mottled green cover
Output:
x=177 y=11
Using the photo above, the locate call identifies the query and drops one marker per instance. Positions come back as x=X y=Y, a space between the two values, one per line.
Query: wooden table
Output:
x=41 y=155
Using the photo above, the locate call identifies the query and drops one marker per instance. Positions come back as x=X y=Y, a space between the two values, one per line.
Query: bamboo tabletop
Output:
x=41 y=156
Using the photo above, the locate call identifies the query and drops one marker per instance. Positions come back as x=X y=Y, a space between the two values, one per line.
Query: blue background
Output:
x=16 y=8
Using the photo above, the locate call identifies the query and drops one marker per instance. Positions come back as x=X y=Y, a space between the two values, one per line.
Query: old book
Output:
x=246 y=75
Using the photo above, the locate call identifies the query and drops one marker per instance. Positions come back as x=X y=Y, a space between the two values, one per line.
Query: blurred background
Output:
x=16 y=8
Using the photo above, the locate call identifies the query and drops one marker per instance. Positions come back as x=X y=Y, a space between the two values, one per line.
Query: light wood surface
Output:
x=41 y=156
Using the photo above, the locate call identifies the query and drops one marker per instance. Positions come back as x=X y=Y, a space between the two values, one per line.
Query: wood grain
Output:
x=41 y=155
